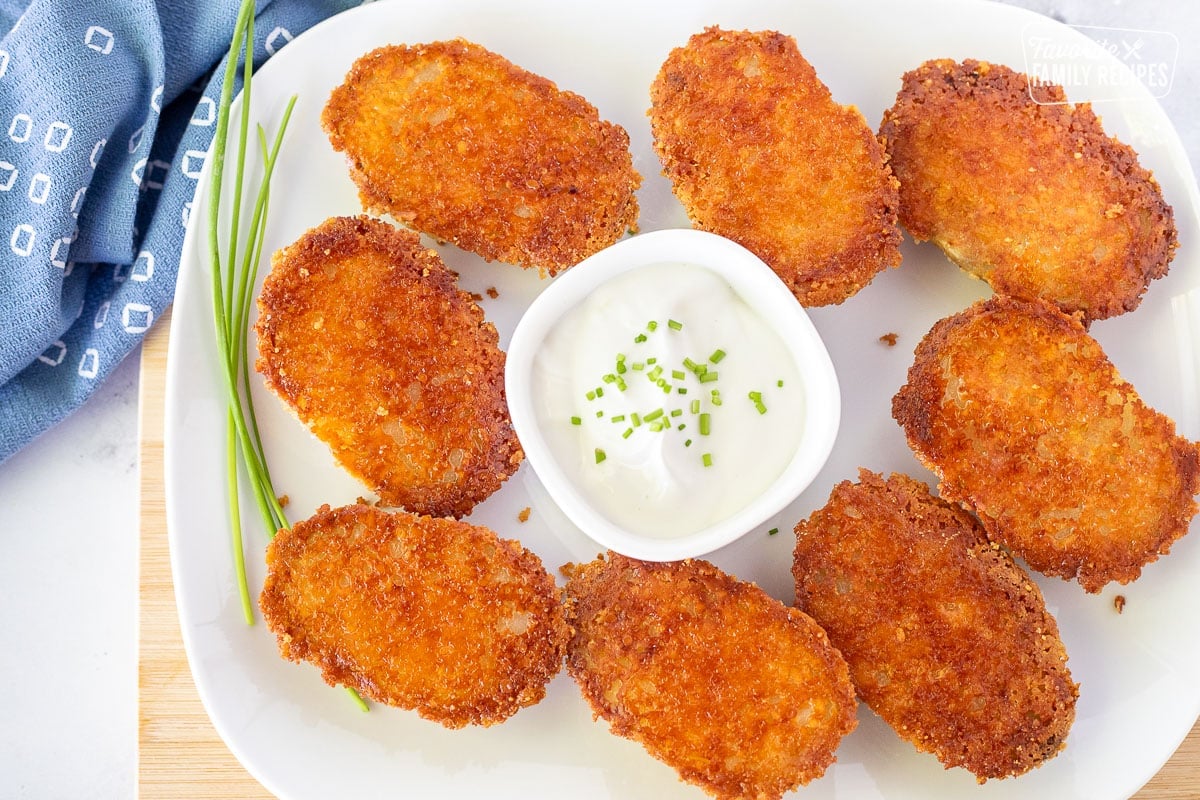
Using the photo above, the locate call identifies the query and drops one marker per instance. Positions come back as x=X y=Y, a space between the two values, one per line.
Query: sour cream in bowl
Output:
x=671 y=394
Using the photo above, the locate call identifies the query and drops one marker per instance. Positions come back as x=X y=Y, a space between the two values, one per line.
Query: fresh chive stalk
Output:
x=233 y=280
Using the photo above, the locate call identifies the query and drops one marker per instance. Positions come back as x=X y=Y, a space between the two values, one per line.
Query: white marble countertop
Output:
x=69 y=543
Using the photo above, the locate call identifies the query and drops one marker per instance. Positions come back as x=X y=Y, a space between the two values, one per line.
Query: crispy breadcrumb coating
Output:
x=1028 y=194
x=461 y=144
x=757 y=150
x=1027 y=422
x=365 y=335
x=948 y=640
x=428 y=614
x=740 y=694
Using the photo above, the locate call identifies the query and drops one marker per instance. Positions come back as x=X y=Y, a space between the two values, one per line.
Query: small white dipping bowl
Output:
x=759 y=288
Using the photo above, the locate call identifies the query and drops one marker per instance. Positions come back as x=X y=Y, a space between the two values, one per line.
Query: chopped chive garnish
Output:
x=621 y=385
x=705 y=424
x=576 y=421
x=641 y=337
x=638 y=366
x=708 y=377
x=609 y=378
x=657 y=425
x=628 y=432
x=691 y=365
x=716 y=356
x=618 y=418
x=716 y=397
x=695 y=406
x=682 y=390
x=635 y=419
x=680 y=426
x=621 y=366
x=599 y=414
x=654 y=373
x=678 y=374
x=651 y=326
x=600 y=456
x=756 y=398
x=687 y=443
x=590 y=395
x=676 y=412
x=779 y=383
x=707 y=459
x=655 y=414
x=651 y=362
x=773 y=531
x=599 y=391
x=675 y=326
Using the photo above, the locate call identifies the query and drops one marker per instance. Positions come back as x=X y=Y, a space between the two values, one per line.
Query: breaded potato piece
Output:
x=460 y=143
x=757 y=150
x=429 y=614
x=1029 y=195
x=948 y=640
x=1026 y=422
x=365 y=335
x=740 y=694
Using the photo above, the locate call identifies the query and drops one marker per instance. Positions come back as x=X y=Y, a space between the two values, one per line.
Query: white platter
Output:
x=1139 y=671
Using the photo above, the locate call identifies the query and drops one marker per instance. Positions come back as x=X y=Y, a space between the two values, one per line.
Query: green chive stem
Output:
x=235 y=518
x=231 y=294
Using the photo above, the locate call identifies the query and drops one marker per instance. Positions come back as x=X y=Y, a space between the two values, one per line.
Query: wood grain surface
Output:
x=180 y=756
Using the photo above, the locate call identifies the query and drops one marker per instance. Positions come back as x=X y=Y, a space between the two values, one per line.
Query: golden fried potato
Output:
x=740 y=694
x=428 y=614
x=365 y=335
x=757 y=151
x=1028 y=194
x=948 y=640
x=461 y=144
x=1027 y=422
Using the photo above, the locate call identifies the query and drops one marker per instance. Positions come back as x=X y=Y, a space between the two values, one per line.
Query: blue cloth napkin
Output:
x=107 y=108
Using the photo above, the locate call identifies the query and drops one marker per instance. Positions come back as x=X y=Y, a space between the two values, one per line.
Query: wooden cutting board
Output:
x=180 y=756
